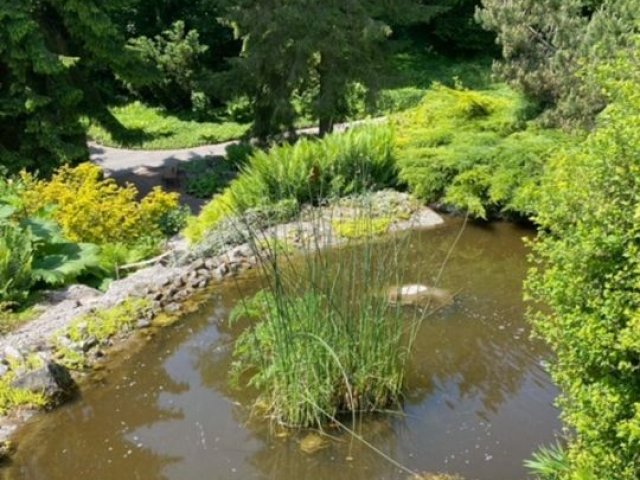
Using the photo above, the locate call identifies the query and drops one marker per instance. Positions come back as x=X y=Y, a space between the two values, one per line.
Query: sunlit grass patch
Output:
x=151 y=128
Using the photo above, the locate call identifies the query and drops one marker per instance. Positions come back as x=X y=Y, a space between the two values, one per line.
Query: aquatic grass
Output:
x=325 y=340
x=549 y=462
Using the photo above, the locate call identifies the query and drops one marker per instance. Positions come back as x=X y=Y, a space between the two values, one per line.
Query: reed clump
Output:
x=325 y=340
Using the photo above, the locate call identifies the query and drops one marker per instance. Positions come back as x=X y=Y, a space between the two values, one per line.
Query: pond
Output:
x=478 y=403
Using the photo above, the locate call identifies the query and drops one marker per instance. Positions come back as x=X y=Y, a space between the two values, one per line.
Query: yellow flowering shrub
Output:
x=94 y=209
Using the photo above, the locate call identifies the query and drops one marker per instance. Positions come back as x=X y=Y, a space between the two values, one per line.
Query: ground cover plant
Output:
x=76 y=227
x=474 y=150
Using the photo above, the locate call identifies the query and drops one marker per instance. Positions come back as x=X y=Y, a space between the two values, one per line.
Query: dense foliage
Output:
x=77 y=227
x=285 y=54
x=546 y=44
x=473 y=150
x=51 y=53
x=306 y=172
x=33 y=250
x=90 y=208
x=178 y=55
x=587 y=270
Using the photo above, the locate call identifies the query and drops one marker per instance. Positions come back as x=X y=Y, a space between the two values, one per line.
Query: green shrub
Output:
x=91 y=208
x=33 y=249
x=176 y=54
x=16 y=258
x=474 y=151
x=586 y=270
x=309 y=171
x=173 y=221
x=207 y=176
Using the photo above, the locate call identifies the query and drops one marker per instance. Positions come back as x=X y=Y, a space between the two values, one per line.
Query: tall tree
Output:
x=545 y=44
x=54 y=54
x=318 y=48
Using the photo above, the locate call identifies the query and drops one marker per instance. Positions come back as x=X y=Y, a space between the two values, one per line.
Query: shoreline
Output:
x=166 y=292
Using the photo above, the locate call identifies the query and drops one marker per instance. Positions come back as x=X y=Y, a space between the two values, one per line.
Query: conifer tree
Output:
x=53 y=56
x=307 y=46
x=547 y=43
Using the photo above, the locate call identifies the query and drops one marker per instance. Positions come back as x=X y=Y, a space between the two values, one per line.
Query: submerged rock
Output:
x=52 y=380
x=420 y=295
x=312 y=443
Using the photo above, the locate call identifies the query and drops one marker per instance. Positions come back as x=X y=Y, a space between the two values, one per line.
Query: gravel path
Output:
x=115 y=159
x=119 y=159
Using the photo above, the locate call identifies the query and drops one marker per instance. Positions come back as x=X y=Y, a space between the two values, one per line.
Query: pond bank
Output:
x=39 y=355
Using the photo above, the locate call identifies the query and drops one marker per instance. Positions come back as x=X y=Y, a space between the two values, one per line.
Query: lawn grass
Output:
x=149 y=128
x=406 y=78
x=412 y=71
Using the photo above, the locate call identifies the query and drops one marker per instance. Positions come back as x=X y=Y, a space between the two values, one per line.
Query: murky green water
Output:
x=479 y=401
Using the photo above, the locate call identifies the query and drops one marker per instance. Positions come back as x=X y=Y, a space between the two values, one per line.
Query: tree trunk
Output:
x=325 y=101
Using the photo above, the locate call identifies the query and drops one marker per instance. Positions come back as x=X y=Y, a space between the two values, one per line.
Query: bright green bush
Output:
x=473 y=150
x=586 y=269
x=361 y=227
x=91 y=208
x=307 y=172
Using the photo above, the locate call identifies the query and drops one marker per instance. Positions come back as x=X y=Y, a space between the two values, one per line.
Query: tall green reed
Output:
x=326 y=340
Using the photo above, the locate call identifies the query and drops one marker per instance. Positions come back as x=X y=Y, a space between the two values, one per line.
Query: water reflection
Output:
x=479 y=402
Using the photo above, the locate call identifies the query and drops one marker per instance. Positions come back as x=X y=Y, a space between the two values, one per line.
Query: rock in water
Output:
x=420 y=295
x=312 y=443
x=52 y=380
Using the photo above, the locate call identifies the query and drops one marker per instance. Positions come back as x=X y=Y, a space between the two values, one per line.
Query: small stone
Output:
x=13 y=354
x=143 y=323
x=4 y=369
x=202 y=273
x=198 y=264
x=157 y=296
x=210 y=264
x=313 y=443
x=52 y=380
x=89 y=343
x=172 y=308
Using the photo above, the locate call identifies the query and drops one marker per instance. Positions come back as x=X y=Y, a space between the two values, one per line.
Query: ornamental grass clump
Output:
x=324 y=339
x=307 y=172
